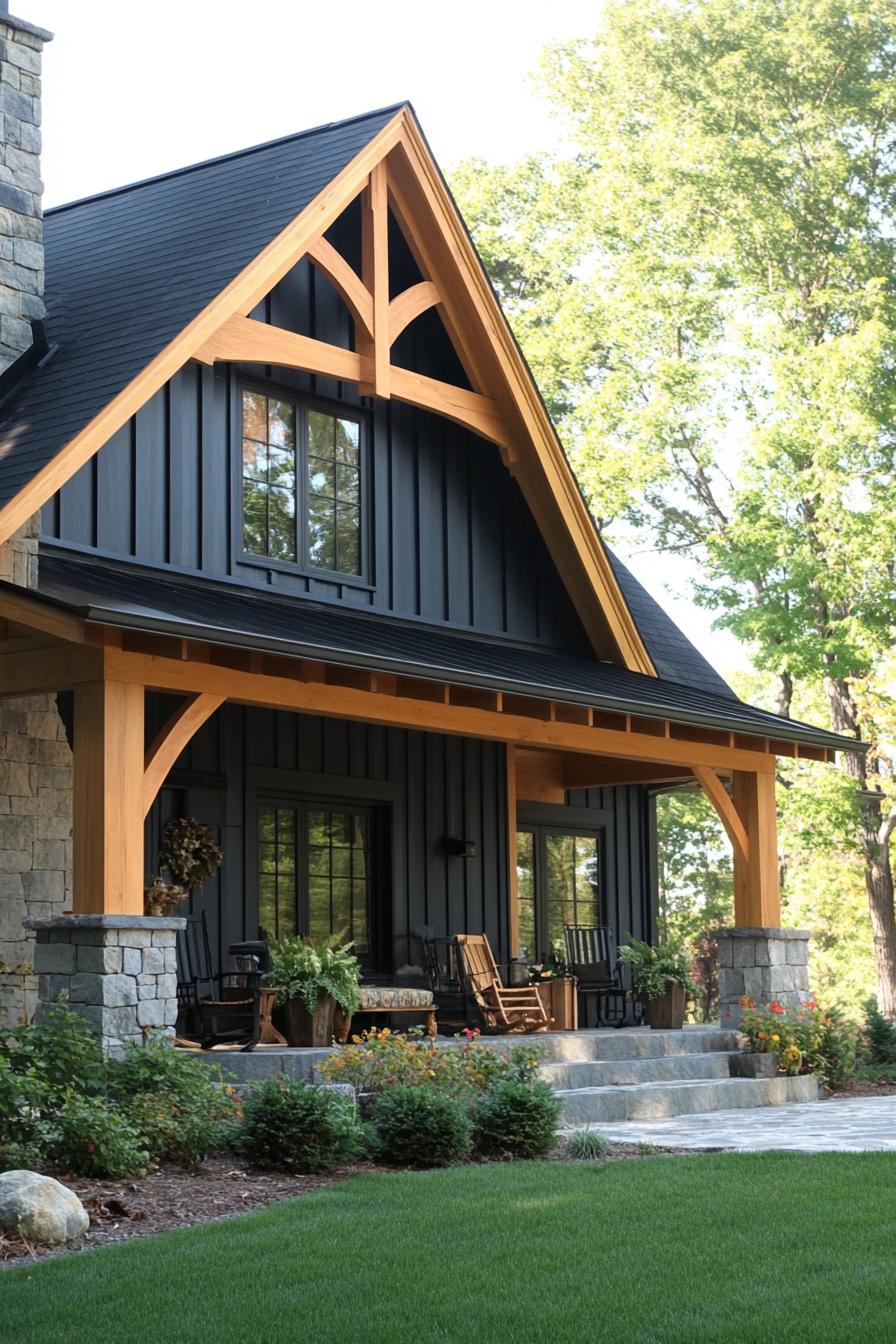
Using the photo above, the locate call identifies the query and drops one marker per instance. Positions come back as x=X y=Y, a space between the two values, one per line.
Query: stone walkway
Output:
x=863 y=1124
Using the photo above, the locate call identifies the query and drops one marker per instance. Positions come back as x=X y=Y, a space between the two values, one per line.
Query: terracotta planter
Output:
x=304 y=1028
x=754 y=1065
x=667 y=1012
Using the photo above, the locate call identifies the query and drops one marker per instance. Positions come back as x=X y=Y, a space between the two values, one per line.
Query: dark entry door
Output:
x=318 y=871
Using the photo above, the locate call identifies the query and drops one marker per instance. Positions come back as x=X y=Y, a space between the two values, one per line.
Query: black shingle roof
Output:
x=128 y=269
x=145 y=600
x=673 y=654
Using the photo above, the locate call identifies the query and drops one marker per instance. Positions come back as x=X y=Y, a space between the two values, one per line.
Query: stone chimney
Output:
x=21 y=227
x=35 y=758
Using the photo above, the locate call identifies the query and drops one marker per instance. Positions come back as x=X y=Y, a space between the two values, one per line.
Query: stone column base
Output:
x=119 y=972
x=766 y=965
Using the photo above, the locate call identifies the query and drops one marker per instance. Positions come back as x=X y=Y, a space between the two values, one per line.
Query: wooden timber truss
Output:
x=394 y=173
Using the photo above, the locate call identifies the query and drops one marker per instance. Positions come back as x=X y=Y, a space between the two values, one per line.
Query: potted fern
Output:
x=312 y=980
x=661 y=975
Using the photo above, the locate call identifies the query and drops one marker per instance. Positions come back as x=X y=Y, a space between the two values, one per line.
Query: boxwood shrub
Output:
x=295 y=1126
x=417 y=1127
x=517 y=1120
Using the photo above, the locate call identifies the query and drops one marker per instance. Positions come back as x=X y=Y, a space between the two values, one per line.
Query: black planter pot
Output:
x=667 y=1012
x=309 y=1029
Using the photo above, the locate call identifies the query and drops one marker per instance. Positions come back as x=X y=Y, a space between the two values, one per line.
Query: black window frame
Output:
x=378 y=817
x=303 y=402
x=540 y=823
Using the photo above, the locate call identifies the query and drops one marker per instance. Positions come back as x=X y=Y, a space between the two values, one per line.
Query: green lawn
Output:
x=748 y=1249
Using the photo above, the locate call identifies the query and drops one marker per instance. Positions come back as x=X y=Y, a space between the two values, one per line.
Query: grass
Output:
x=746 y=1249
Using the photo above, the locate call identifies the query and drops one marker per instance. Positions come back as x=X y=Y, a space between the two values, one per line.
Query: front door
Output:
x=318 y=871
x=558 y=883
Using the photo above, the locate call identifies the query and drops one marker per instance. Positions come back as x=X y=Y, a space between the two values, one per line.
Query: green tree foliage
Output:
x=705 y=289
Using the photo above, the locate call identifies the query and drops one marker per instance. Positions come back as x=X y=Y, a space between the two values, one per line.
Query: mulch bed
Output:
x=222 y=1187
x=863 y=1087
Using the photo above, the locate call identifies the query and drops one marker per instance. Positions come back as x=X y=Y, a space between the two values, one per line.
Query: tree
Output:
x=705 y=289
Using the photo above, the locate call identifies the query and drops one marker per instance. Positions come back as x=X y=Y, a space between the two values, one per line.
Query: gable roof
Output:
x=114 y=308
x=128 y=269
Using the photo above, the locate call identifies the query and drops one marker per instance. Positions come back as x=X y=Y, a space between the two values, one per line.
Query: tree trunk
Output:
x=874 y=839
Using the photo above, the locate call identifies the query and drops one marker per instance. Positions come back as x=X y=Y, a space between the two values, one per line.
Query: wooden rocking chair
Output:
x=501 y=1009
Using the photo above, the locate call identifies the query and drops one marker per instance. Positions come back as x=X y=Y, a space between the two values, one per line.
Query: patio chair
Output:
x=593 y=960
x=501 y=1009
x=219 y=1008
x=455 y=1006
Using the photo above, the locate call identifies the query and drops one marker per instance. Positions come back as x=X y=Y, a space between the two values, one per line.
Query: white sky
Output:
x=140 y=87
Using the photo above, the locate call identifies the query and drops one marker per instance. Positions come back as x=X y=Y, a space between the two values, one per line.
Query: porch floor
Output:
x=586 y=1044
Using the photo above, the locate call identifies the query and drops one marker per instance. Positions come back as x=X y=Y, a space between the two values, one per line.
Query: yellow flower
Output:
x=775 y=1036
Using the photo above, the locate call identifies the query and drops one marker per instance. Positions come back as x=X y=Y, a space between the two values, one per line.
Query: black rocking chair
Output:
x=454 y=1006
x=218 y=1008
x=593 y=960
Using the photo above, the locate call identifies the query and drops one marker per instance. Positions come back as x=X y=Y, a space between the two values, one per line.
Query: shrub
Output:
x=181 y=1108
x=878 y=1035
x=808 y=1039
x=25 y=1129
x=418 y=1127
x=294 y=1126
x=585 y=1145
x=517 y=1120
x=95 y=1139
x=62 y=1050
x=380 y=1059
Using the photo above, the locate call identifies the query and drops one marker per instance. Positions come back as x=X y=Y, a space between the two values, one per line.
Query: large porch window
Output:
x=315 y=871
x=558 y=883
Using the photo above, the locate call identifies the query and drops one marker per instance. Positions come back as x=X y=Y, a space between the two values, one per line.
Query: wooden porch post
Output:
x=757 y=897
x=108 y=798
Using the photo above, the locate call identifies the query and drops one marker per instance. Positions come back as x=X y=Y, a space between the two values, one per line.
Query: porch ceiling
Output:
x=137 y=600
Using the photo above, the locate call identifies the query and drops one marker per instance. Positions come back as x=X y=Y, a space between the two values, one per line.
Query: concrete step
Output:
x=574 y=1074
x=655 y=1100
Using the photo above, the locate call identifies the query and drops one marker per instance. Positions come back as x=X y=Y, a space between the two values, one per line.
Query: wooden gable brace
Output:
x=394 y=171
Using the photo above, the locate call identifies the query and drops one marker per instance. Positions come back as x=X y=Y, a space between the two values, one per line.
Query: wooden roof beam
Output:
x=347 y=283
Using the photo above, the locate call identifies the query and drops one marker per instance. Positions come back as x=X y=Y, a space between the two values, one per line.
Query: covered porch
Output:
x=456 y=796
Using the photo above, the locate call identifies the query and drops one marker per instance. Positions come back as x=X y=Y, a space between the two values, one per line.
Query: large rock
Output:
x=37 y=1208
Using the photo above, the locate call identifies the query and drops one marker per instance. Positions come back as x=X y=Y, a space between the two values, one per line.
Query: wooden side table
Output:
x=561 y=1002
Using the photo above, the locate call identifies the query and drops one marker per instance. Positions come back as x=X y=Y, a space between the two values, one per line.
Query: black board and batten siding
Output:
x=430 y=786
x=449 y=540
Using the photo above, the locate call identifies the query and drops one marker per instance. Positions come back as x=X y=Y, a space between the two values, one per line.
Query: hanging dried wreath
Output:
x=189 y=851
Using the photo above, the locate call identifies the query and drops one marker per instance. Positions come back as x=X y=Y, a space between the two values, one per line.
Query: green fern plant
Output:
x=304 y=969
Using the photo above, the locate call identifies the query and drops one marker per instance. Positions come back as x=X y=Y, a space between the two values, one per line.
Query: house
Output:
x=290 y=545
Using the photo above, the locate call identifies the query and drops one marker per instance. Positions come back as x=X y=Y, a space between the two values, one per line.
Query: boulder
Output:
x=37 y=1208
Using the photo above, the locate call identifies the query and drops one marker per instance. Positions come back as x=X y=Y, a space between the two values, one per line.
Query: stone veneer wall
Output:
x=35 y=811
x=35 y=760
x=35 y=839
x=117 y=971
x=21 y=228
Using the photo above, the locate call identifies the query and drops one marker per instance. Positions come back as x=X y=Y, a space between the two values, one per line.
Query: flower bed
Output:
x=808 y=1039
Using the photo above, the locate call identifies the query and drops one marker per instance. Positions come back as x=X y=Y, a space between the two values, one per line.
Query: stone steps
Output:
x=589 y=1073
x=655 y=1100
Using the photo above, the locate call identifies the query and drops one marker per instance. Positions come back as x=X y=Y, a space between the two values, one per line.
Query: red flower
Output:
x=468 y=1033
x=776 y=1007
x=90 y=1146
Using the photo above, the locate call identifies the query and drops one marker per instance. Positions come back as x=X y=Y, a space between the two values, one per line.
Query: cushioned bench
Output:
x=391 y=999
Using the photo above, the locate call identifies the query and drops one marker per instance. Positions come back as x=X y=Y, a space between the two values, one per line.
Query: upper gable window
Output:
x=301 y=484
